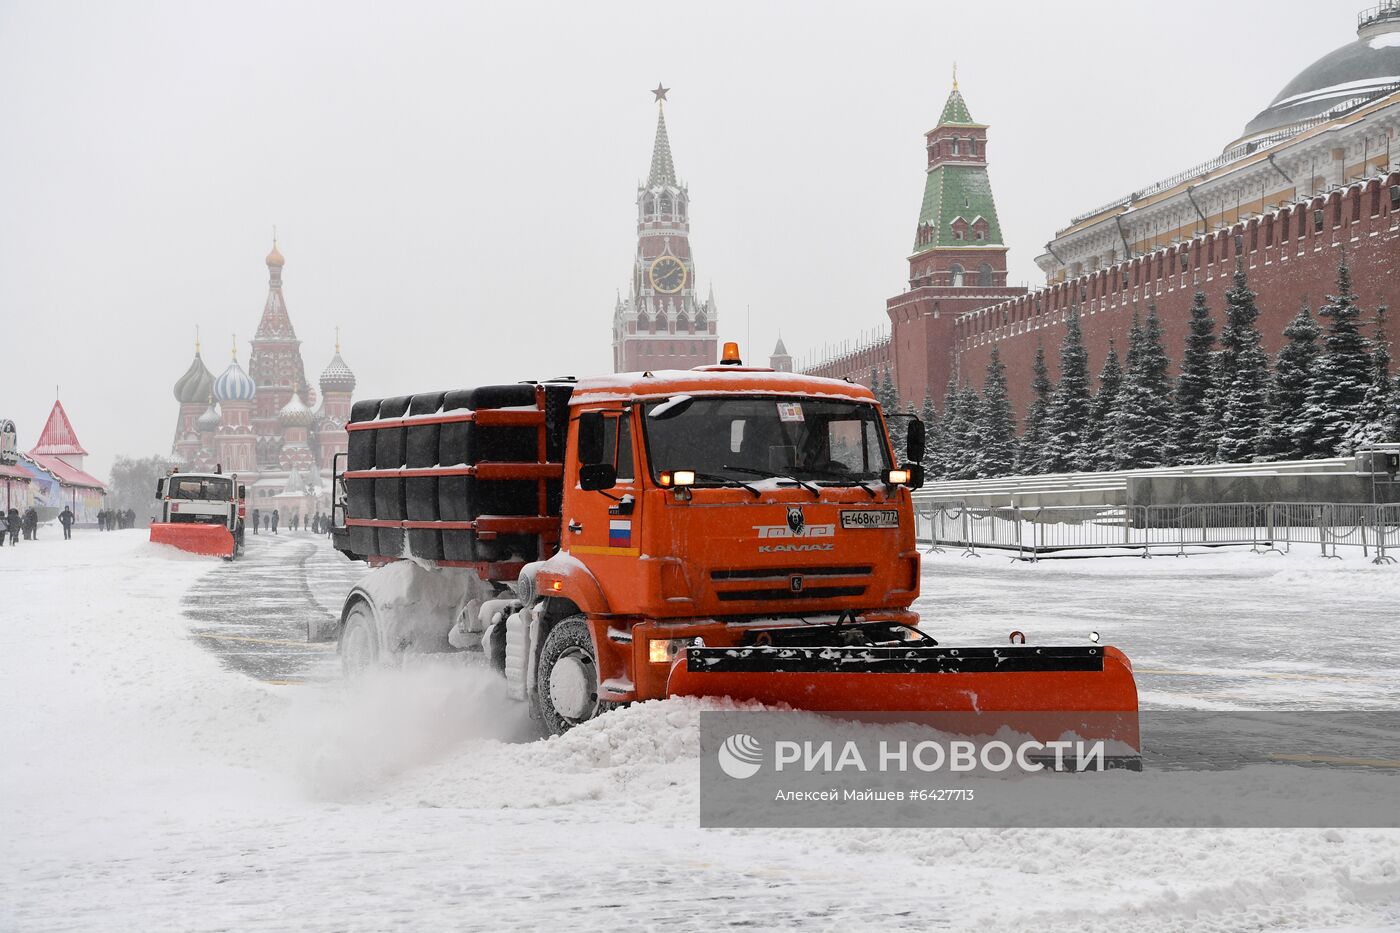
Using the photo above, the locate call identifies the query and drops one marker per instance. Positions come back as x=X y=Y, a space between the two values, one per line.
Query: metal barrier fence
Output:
x=1277 y=527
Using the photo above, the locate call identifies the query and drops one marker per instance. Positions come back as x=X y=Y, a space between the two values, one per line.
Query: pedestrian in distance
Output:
x=255 y=521
x=4 y=528
x=66 y=519
x=16 y=523
x=276 y=514
x=292 y=525
x=31 y=524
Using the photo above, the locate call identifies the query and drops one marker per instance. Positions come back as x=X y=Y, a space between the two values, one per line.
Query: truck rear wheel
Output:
x=359 y=641
x=566 y=682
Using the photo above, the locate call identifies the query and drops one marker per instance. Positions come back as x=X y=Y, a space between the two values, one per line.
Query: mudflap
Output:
x=1046 y=692
x=197 y=538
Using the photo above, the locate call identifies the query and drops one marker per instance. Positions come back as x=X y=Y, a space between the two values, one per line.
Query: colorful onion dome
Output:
x=210 y=420
x=274 y=258
x=234 y=385
x=196 y=384
x=337 y=377
x=295 y=414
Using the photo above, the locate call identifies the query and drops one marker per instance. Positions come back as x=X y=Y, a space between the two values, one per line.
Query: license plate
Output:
x=870 y=518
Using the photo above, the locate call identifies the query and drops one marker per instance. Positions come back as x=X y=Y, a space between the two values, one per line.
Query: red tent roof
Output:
x=10 y=472
x=66 y=474
x=58 y=436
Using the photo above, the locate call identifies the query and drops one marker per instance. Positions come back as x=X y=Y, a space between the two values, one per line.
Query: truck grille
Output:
x=810 y=592
x=782 y=573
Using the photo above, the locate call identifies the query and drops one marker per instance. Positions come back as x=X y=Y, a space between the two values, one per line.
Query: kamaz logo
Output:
x=806 y=531
x=780 y=548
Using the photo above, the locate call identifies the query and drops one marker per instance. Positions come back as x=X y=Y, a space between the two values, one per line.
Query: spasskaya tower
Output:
x=662 y=324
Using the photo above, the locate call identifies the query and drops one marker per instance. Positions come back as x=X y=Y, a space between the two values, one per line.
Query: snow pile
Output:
x=146 y=786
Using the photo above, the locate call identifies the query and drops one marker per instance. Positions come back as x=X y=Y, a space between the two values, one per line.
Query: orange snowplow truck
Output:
x=202 y=513
x=722 y=531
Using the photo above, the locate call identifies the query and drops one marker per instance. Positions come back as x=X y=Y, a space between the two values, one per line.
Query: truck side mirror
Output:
x=160 y=489
x=594 y=476
x=242 y=492
x=590 y=438
x=916 y=471
x=914 y=441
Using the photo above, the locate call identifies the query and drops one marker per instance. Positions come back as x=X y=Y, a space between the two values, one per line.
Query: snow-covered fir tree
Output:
x=996 y=454
x=950 y=434
x=1375 y=423
x=1191 y=441
x=1030 y=457
x=1097 y=451
x=971 y=435
x=1286 y=433
x=1067 y=416
x=888 y=397
x=1143 y=416
x=932 y=431
x=1343 y=372
x=1244 y=374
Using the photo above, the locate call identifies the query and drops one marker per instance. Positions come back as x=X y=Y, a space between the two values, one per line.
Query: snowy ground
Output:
x=163 y=771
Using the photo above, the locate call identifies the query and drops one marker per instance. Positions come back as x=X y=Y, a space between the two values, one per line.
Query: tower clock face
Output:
x=667 y=275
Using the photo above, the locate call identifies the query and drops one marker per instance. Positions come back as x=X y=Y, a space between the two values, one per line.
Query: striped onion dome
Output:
x=234 y=385
x=295 y=414
x=209 y=421
x=196 y=384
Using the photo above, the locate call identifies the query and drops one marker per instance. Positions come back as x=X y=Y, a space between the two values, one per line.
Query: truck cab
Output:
x=698 y=504
x=201 y=512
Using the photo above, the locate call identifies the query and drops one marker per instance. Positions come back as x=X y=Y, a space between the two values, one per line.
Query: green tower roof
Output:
x=954 y=189
x=955 y=110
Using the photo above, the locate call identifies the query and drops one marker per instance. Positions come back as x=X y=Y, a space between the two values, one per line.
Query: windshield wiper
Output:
x=729 y=481
x=844 y=479
x=769 y=474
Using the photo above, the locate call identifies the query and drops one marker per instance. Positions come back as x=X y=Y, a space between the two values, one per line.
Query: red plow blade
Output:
x=1089 y=690
x=213 y=540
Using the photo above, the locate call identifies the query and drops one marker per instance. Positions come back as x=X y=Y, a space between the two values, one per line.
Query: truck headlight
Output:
x=664 y=650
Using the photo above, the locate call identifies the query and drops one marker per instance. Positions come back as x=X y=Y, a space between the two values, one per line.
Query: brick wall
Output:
x=1287 y=256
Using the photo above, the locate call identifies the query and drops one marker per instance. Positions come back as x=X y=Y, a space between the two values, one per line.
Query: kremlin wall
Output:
x=1312 y=181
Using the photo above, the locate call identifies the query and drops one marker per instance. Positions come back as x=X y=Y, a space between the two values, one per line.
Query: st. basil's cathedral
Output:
x=267 y=423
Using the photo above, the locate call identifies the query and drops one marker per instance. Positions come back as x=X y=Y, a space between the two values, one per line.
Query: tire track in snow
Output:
x=254 y=612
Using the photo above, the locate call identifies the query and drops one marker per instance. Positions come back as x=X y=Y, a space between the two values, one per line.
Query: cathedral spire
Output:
x=663 y=170
x=275 y=323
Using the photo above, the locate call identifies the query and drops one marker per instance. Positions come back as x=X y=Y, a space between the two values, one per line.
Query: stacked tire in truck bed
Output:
x=451 y=498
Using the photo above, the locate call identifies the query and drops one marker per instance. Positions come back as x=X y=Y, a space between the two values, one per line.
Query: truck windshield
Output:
x=815 y=440
x=201 y=488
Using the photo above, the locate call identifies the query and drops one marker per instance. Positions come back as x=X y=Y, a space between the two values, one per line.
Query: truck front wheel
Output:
x=359 y=640
x=566 y=683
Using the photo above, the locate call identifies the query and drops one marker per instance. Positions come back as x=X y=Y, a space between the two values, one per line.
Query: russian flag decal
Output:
x=620 y=533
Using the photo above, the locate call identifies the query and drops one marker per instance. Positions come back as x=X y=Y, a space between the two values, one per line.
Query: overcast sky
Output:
x=453 y=184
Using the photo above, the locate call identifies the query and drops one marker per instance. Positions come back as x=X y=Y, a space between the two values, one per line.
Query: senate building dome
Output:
x=1356 y=73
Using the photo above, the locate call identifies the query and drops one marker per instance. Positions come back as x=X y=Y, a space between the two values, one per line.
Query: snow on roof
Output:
x=729 y=381
x=66 y=474
x=58 y=436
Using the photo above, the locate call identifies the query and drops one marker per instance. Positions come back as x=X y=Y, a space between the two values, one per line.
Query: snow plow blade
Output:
x=195 y=537
x=1043 y=691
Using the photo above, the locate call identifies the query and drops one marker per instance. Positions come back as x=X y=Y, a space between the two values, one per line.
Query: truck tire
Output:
x=421 y=492
x=359 y=641
x=566 y=680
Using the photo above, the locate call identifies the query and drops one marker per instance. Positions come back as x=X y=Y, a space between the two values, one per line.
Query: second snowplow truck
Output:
x=726 y=531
